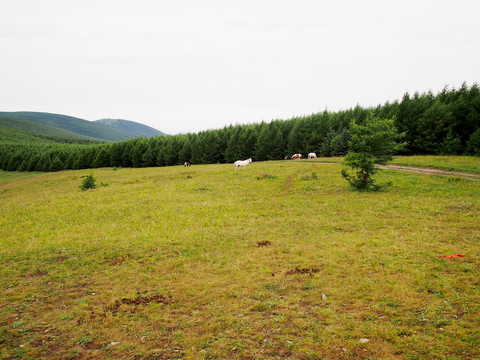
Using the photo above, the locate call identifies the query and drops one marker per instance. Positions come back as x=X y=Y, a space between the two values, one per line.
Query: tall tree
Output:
x=102 y=158
x=127 y=154
x=370 y=144
x=246 y=142
x=137 y=153
x=232 y=150
x=185 y=154
x=270 y=144
x=473 y=144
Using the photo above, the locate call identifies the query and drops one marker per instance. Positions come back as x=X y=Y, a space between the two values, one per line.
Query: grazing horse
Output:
x=186 y=164
x=312 y=156
x=243 y=163
x=296 y=156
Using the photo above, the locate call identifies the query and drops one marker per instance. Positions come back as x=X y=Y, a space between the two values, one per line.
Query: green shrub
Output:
x=88 y=183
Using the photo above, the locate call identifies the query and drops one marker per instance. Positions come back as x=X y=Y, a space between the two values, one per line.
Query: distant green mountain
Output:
x=15 y=137
x=72 y=125
x=131 y=127
x=38 y=131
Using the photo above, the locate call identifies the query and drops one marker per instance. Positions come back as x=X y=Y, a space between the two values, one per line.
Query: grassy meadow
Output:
x=280 y=261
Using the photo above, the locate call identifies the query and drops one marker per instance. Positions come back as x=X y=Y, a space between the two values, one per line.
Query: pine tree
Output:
x=451 y=144
x=339 y=143
x=185 y=154
x=232 y=151
x=127 y=154
x=246 y=143
x=102 y=159
x=88 y=183
x=116 y=152
x=473 y=144
x=56 y=164
x=370 y=144
x=137 y=153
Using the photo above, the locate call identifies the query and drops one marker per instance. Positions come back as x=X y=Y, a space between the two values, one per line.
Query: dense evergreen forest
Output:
x=445 y=123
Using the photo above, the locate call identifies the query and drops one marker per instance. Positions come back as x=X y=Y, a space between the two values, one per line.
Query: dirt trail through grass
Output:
x=430 y=171
x=419 y=170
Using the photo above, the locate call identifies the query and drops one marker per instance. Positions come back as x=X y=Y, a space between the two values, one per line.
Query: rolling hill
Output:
x=130 y=127
x=14 y=128
x=71 y=125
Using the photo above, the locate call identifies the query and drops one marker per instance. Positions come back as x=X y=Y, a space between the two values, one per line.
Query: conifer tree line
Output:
x=447 y=123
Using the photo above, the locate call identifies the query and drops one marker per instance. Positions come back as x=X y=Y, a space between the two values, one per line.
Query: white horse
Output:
x=243 y=163
x=312 y=156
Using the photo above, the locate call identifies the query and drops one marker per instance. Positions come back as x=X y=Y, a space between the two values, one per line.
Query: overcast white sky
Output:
x=187 y=65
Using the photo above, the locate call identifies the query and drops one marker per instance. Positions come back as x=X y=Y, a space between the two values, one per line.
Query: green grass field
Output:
x=280 y=261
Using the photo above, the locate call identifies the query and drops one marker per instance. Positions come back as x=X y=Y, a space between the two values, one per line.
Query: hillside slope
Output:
x=131 y=127
x=18 y=128
x=72 y=124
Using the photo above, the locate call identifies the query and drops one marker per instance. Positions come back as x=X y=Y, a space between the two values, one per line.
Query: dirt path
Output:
x=430 y=171
x=420 y=170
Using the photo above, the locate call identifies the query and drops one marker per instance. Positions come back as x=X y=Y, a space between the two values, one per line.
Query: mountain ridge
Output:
x=94 y=130
x=38 y=129
x=131 y=127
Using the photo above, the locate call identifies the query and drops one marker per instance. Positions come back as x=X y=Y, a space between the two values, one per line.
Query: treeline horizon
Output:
x=446 y=123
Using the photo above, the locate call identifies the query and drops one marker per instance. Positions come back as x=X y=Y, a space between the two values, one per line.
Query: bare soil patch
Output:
x=263 y=243
x=133 y=303
x=116 y=261
x=302 y=271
